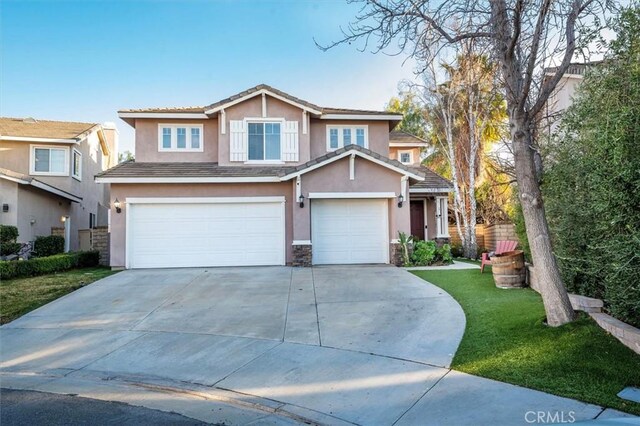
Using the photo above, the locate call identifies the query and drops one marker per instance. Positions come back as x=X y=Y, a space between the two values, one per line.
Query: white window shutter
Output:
x=237 y=141
x=290 y=141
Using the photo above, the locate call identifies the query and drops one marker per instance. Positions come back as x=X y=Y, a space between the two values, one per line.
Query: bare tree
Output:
x=525 y=36
x=465 y=110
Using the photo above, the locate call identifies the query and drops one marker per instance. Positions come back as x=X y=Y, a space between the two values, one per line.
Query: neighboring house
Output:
x=562 y=97
x=264 y=178
x=46 y=174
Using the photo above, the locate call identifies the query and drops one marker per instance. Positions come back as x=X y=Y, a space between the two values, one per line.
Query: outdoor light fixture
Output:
x=117 y=205
x=400 y=200
x=5 y=208
x=301 y=200
x=63 y=219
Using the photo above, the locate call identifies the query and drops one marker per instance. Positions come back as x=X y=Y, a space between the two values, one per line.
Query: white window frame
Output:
x=32 y=161
x=442 y=217
x=77 y=176
x=174 y=137
x=406 y=151
x=264 y=120
x=340 y=127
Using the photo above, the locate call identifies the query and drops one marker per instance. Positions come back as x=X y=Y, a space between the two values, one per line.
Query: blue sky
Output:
x=84 y=60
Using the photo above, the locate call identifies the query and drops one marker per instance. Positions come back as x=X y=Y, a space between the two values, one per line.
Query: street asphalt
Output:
x=18 y=407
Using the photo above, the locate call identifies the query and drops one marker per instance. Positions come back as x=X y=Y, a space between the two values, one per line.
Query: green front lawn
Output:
x=506 y=340
x=22 y=295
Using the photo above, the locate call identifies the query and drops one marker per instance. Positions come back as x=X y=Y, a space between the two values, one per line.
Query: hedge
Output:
x=48 y=246
x=8 y=234
x=8 y=244
x=46 y=265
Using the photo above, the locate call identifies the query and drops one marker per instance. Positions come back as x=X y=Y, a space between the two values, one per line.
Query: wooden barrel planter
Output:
x=509 y=270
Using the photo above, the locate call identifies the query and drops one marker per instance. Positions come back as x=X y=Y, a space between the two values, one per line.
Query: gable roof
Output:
x=361 y=152
x=205 y=111
x=21 y=179
x=399 y=139
x=258 y=90
x=29 y=128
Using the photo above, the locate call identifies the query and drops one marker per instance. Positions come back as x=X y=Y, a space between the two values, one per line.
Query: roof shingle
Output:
x=26 y=127
x=405 y=138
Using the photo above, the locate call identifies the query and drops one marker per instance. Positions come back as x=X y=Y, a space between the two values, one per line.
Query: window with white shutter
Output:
x=290 y=141
x=237 y=140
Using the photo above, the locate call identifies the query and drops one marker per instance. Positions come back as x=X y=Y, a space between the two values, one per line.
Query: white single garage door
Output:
x=349 y=231
x=205 y=232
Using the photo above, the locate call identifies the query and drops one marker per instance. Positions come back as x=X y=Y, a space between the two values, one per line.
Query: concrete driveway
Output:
x=354 y=345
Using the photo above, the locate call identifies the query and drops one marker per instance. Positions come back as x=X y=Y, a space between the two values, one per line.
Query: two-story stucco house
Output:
x=46 y=176
x=265 y=178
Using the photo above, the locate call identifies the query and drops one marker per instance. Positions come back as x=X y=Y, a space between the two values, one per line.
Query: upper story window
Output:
x=405 y=157
x=49 y=161
x=76 y=164
x=264 y=141
x=178 y=137
x=339 y=136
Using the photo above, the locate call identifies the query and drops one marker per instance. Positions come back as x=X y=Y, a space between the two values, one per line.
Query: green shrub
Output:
x=443 y=254
x=8 y=234
x=46 y=265
x=456 y=250
x=424 y=253
x=592 y=180
x=48 y=246
x=88 y=258
x=9 y=248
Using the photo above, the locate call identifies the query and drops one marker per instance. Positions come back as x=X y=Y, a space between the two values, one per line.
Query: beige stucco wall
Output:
x=252 y=108
x=16 y=156
x=123 y=191
x=147 y=142
x=334 y=177
x=27 y=204
x=415 y=153
x=9 y=195
x=378 y=135
x=46 y=210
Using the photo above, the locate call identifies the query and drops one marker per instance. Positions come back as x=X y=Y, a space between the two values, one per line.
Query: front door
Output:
x=417 y=218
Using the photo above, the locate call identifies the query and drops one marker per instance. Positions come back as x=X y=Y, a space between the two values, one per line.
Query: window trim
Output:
x=406 y=151
x=32 y=161
x=264 y=120
x=78 y=176
x=354 y=131
x=174 y=137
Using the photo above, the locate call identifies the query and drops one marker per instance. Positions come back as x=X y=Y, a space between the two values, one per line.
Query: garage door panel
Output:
x=206 y=234
x=349 y=231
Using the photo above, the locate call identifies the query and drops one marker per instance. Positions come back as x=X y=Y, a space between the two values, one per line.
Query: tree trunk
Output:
x=554 y=295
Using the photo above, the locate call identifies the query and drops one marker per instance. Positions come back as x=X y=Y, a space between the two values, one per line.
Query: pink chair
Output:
x=502 y=247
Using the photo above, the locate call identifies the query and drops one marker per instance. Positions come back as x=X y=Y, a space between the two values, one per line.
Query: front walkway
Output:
x=329 y=345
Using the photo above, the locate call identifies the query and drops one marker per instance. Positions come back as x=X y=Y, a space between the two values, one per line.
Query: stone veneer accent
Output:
x=100 y=242
x=301 y=255
x=57 y=231
x=395 y=250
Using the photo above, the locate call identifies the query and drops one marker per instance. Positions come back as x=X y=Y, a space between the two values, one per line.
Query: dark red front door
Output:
x=417 y=218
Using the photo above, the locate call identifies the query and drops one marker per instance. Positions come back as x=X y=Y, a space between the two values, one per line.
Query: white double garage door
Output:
x=203 y=232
